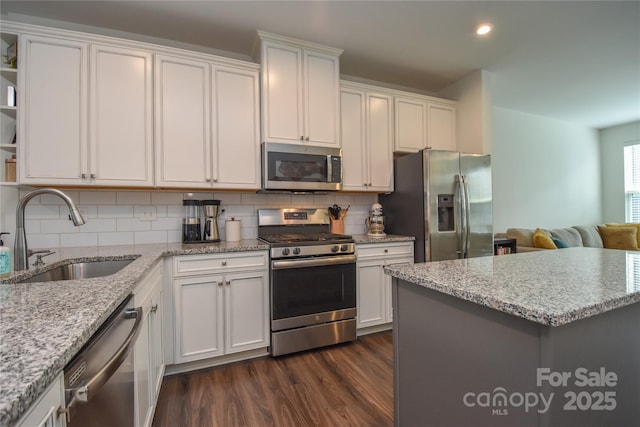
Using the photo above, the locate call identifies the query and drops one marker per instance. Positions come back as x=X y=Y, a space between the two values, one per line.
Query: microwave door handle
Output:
x=84 y=393
x=329 y=168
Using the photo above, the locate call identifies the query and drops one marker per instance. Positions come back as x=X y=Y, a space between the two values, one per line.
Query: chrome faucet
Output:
x=20 y=250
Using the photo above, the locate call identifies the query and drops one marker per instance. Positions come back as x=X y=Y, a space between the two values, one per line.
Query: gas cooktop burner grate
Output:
x=300 y=237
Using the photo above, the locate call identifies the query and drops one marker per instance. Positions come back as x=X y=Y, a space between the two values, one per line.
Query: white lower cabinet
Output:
x=44 y=413
x=221 y=304
x=148 y=356
x=374 y=287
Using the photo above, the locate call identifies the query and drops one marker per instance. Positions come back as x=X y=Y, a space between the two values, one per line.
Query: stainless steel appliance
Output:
x=191 y=231
x=211 y=211
x=301 y=167
x=313 y=280
x=99 y=381
x=443 y=198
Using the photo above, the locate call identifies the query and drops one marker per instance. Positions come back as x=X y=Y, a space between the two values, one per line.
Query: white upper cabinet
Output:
x=366 y=133
x=300 y=91
x=66 y=140
x=182 y=122
x=442 y=126
x=53 y=111
x=424 y=122
x=207 y=125
x=121 y=117
x=411 y=124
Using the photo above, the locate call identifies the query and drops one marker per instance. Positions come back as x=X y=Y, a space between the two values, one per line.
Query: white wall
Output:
x=612 y=141
x=546 y=173
x=473 y=94
x=114 y=217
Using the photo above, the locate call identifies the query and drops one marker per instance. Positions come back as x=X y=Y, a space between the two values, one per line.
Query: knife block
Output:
x=337 y=226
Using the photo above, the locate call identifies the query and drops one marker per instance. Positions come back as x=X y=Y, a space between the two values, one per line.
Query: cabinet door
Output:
x=247 y=311
x=442 y=127
x=198 y=317
x=321 y=98
x=372 y=293
x=141 y=370
x=53 y=113
x=44 y=413
x=379 y=137
x=121 y=117
x=156 y=348
x=411 y=125
x=235 y=127
x=183 y=141
x=282 y=108
x=354 y=163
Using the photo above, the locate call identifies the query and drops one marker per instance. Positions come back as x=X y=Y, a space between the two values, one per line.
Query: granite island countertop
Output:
x=43 y=325
x=548 y=287
x=365 y=239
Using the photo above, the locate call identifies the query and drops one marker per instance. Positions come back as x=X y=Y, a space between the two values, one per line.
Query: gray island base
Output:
x=482 y=342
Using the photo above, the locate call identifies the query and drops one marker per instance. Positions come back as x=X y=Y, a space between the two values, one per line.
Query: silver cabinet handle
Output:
x=208 y=179
x=83 y=176
x=301 y=138
x=307 y=138
x=154 y=308
x=220 y=283
x=386 y=251
x=224 y=263
x=215 y=179
x=228 y=282
x=92 y=176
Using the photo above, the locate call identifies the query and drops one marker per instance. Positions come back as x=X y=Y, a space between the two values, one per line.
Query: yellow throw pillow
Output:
x=542 y=240
x=629 y=225
x=619 y=237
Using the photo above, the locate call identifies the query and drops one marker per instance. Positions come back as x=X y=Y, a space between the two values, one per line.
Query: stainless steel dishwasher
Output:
x=99 y=380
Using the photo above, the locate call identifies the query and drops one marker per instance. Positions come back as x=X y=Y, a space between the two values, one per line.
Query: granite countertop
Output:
x=43 y=325
x=364 y=238
x=548 y=287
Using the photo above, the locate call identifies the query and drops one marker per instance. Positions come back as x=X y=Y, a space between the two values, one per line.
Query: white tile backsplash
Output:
x=96 y=197
x=115 y=211
x=145 y=237
x=133 y=198
x=78 y=239
x=117 y=238
x=113 y=216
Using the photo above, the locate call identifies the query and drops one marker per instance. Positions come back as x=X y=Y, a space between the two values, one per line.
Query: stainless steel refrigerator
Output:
x=443 y=198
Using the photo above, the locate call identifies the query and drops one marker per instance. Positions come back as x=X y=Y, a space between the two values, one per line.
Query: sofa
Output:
x=613 y=236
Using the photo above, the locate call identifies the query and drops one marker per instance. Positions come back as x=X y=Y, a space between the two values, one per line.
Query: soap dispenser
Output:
x=5 y=258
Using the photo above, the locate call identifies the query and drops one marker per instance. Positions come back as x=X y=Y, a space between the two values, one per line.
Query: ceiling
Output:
x=575 y=61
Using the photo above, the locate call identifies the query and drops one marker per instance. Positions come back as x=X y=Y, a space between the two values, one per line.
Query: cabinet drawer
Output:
x=384 y=250
x=189 y=265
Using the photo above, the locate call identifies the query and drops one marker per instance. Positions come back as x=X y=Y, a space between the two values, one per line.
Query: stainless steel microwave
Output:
x=301 y=167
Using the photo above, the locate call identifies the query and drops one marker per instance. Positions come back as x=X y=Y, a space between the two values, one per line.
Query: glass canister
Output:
x=191 y=222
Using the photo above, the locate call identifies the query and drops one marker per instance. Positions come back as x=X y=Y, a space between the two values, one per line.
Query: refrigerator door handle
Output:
x=467 y=213
x=461 y=215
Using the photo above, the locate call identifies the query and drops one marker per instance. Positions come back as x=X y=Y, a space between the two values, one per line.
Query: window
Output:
x=632 y=181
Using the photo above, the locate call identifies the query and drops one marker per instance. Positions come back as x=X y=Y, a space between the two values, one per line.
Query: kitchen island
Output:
x=550 y=338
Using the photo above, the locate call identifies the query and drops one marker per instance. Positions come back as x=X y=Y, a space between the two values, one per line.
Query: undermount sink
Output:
x=80 y=270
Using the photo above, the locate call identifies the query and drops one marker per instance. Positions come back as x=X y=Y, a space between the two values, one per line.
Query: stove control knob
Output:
x=344 y=248
x=335 y=248
x=285 y=251
x=296 y=251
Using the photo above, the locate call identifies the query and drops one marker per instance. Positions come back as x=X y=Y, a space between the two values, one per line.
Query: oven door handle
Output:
x=312 y=262
x=84 y=393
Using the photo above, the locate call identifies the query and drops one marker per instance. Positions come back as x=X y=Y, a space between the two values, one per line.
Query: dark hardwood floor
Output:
x=344 y=385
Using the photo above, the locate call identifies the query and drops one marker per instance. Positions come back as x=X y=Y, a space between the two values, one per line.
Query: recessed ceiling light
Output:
x=483 y=29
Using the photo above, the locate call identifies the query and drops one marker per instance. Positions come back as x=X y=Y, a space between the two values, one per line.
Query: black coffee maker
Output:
x=191 y=230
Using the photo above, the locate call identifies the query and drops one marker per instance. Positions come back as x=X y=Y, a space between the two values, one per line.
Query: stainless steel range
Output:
x=313 y=280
